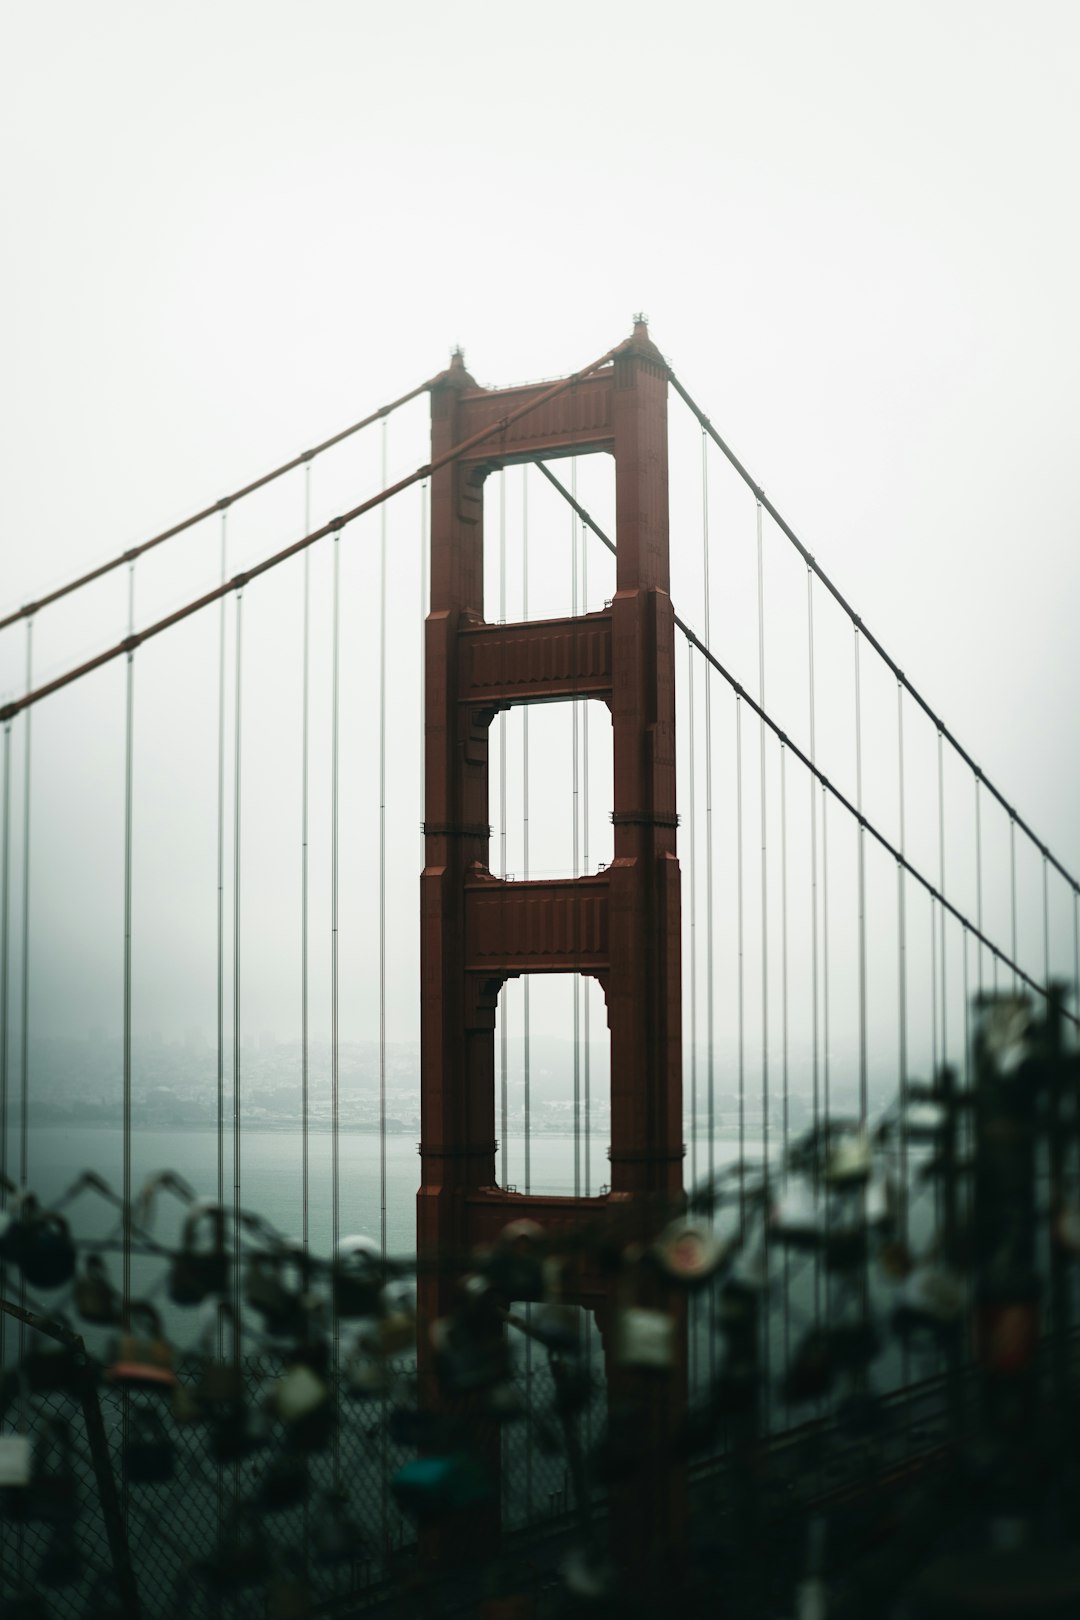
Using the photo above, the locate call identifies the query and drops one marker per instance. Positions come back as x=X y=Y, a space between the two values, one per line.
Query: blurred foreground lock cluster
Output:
x=861 y=1357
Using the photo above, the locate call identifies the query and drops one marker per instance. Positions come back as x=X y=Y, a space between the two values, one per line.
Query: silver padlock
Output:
x=16 y=1460
x=645 y=1339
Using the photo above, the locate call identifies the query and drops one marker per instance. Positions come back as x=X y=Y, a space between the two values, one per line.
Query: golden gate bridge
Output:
x=797 y=910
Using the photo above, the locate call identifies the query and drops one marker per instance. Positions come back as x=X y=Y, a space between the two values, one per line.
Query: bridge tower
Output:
x=622 y=926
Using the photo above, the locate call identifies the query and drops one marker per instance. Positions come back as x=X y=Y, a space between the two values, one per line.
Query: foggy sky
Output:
x=232 y=230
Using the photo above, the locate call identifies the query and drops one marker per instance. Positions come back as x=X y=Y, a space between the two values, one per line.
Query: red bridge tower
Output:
x=623 y=925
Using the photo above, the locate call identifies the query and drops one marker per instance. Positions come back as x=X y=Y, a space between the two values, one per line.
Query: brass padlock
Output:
x=142 y=1360
x=221 y=1389
x=201 y=1267
x=96 y=1300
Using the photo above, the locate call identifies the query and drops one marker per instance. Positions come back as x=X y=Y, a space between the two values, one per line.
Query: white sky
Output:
x=233 y=227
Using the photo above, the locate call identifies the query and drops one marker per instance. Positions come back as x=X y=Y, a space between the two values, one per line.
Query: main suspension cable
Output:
x=9 y=710
x=830 y=789
x=31 y=608
x=812 y=563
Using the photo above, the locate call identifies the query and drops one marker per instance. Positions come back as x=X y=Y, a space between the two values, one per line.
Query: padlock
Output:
x=588 y=1575
x=16 y=1469
x=515 y=1265
x=396 y=1323
x=142 y=1361
x=336 y=1538
x=55 y=1367
x=39 y=1242
x=358 y=1276
x=795 y=1220
x=429 y=1487
x=645 y=1339
x=556 y=1326
x=367 y=1376
x=221 y=1389
x=923 y=1120
x=1065 y=1228
x=281 y=1306
x=470 y=1356
x=54 y=1489
x=689 y=1252
x=1007 y=1325
x=812 y=1369
x=185 y=1406
x=930 y=1301
x=848 y=1160
x=96 y=1300
x=301 y=1399
x=201 y=1267
x=148 y=1453
x=284 y=1484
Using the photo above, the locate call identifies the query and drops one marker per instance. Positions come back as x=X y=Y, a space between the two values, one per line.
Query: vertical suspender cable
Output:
x=941 y=867
x=24 y=1025
x=815 y=1043
x=978 y=876
x=764 y=865
x=901 y=916
x=1076 y=942
x=1012 y=889
x=504 y=1142
x=382 y=852
x=335 y=982
x=129 y=761
x=335 y=958
x=785 y=1078
x=237 y=761
x=1046 y=921
x=693 y=977
x=526 y=1051
x=221 y=879
x=863 y=1084
x=586 y=984
x=766 y=1341
x=526 y=1054
x=575 y=799
x=741 y=971
x=710 y=994
x=5 y=922
x=693 y=924
x=305 y=1155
